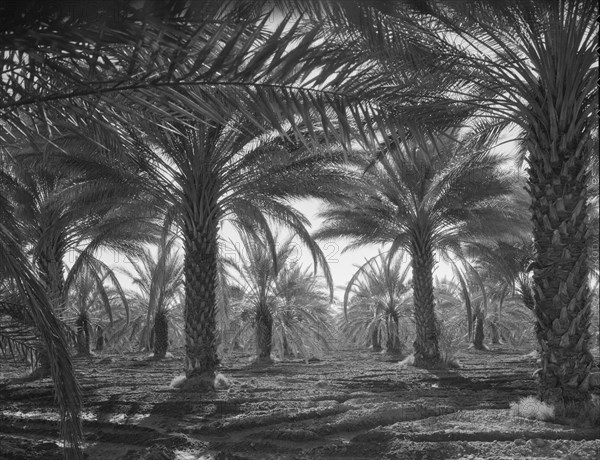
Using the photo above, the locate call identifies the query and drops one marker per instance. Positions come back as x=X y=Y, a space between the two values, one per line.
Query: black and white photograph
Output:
x=299 y=229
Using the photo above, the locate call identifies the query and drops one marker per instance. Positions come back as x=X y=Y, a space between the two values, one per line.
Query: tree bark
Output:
x=557 y=184
x=99 y=338
x=51 y=269
x=83 y=334
x=375 y=343
x=264 y=333
x=427 y=353
x=393 y=340
x=161 y=334
x=479 y=335
x=200 y=267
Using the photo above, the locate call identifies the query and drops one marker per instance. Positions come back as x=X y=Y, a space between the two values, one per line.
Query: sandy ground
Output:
x=354 y=404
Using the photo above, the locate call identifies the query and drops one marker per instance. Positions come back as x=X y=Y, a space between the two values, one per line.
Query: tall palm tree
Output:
x=66 y=204
x=36 y=310
x=218 y=172
x=282 y=302
x=381 y=298
x=422 y=201
x=530 y=64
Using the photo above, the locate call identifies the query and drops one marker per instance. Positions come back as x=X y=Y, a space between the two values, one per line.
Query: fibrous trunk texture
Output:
x=82 y=326
x=264 y=333
x=557 y=184
x=375 y=339
x=51 y=269
x=161 y=334
x=393 y=344
x=426 y=346
x=479 y=335
x=200 y=268
x=99 y=338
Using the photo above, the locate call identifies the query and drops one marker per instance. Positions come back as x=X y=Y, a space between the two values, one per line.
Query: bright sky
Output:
x=341 y=263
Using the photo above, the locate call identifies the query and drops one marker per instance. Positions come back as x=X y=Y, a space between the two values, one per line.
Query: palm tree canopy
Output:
x=379 y=284
x=453 y=195
x=67 y=66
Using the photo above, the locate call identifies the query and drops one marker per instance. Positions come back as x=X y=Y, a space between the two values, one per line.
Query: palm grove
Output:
x=141 y=122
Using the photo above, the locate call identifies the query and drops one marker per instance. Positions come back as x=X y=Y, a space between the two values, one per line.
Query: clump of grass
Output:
x=220 y=383
x=177 y=381
x=532 y=408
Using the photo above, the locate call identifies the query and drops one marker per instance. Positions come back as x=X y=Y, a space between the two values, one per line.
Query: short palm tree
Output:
x=381 y=298
x=281 y=302
x=425 y=200
x=159 y=279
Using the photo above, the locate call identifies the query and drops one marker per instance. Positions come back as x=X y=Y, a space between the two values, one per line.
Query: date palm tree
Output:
x=531 y=65
x=91 y=290
x=67 y=204
x=422 y=201
x=159 y=278
x=35 y=311
x=281 y=302
x=231 y=172
x=381 y=297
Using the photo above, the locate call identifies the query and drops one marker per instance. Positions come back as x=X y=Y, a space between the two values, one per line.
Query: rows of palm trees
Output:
x=142 y=117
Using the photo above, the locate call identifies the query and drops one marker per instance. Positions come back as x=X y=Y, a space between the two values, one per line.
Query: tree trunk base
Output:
x=262 y=361
x=43 y=369
x=200 y=383
x=426 y=361
x=394 y=351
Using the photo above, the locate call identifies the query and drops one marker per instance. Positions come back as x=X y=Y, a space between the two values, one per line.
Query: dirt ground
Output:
x=354 y=404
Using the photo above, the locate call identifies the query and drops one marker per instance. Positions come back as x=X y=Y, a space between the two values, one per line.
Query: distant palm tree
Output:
x=428 y=199
x=504 y=267
x=93 y=289
x=158 y=274
x=281 y=302
x=380 y=299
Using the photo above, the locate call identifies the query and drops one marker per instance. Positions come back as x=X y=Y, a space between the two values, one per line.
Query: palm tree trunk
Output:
x=479 y=335
x=495 y=331
x=557 y=184
x=200 y=268
x=375 y=338
x=83 y=334
x=393 y=340
x=264 y=333
x=99 y=338
x=52 y=274
x=426 y=346
x=51 y=269
x=161 y=334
